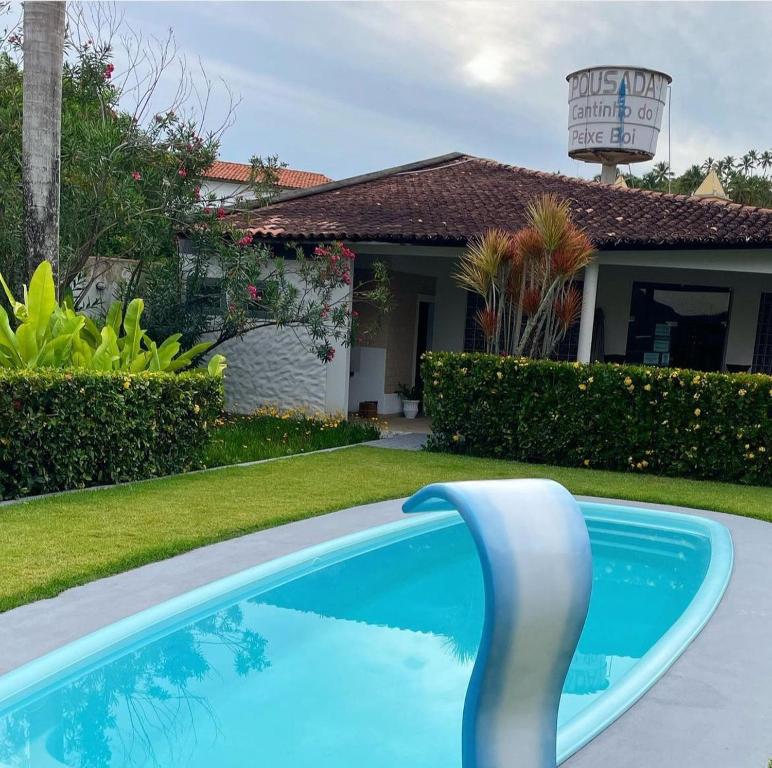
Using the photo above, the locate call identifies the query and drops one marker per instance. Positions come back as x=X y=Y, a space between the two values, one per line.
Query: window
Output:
x=208 y=293
x=474 y=339
x=762 y=350
x=678 y=325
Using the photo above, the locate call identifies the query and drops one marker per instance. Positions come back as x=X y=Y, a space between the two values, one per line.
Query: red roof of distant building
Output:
x=452 y=198
x=288 y=177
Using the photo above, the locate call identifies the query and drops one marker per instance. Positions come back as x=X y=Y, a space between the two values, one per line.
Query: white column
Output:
x=587 y=318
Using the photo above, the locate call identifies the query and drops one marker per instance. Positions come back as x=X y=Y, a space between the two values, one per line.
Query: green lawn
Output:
x=238 y=439
x=50 y=544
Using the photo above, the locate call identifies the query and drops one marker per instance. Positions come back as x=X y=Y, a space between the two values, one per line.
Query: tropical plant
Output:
x=51 y=334
x=133 y=216
x=526 y=279
x=409 y=392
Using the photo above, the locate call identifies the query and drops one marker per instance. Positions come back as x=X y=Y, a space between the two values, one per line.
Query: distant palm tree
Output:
x=747 y=163
x=661 y=173
x=708 y=165
x=754 y=156
x=689 y=180
x=729 y=163
x=765 y=161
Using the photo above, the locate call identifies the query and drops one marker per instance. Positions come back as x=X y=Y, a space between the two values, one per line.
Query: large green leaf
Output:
x=167 y=350
x=106 y=354
x=41 y=299
x=28 y=344
x=115 y=317
x=216 y=365
x=133 y=331
x=9 y=341
x=186 y=358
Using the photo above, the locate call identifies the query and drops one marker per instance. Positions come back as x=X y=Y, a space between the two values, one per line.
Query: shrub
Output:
x=75 y=428
x=621 y=417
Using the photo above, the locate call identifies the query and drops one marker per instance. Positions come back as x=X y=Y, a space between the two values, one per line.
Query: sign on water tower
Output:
x=615 y=113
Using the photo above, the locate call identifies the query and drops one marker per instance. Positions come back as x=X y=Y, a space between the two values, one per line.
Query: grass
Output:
x=268 y=434
x=50 y=544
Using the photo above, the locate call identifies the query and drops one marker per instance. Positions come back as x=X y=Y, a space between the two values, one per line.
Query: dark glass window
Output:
x=678 y=325
x=474 y=339
x=762 y=350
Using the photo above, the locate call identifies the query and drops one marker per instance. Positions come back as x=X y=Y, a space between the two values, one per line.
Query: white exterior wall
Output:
x=269 y=366
x=226 y=191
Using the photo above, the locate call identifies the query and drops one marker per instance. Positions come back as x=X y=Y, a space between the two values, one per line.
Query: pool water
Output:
x=363 y=658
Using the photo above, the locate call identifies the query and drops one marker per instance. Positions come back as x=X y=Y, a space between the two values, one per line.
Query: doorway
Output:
x=424 y=333
x=682 y=326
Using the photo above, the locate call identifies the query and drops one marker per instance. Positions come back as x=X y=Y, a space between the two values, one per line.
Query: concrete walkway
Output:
x=713 y=709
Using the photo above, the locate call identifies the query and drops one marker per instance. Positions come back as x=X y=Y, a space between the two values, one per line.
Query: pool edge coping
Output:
x=29 y=679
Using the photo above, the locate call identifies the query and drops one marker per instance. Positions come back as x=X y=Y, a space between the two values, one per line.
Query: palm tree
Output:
x=754 y=157
x=729 y=163
x=689 y=180
x=707 y=166
x=747 y=163
x=661 y=173
x=765 y=161
x=43 y=47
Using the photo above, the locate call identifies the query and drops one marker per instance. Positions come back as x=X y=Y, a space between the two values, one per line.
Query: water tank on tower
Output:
x=615 y=115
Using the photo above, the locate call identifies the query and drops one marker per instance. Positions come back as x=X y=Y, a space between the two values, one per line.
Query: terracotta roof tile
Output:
x=288 y=177
x=455 y=197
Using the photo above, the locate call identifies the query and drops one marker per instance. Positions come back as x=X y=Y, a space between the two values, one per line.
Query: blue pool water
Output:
x=354 y=654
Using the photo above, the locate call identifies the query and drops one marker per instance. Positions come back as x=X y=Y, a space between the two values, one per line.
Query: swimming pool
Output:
x=357 y=652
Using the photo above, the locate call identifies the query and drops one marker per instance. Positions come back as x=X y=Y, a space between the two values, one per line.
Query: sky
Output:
x=352 y=87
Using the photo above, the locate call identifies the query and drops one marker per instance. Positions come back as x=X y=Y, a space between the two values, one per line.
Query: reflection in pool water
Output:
x=363 y=662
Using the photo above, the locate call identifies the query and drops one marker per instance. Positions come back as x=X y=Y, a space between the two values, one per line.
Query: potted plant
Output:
x=411 y=399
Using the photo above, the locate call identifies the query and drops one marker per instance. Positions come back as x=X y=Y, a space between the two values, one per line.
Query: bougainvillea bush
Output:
x=620 y=417
x=63 y=429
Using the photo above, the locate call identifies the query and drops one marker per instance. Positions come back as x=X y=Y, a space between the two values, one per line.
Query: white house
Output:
x=229 y=182
x=679 y=281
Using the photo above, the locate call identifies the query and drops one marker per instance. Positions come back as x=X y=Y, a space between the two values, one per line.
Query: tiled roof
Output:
x=288 y=177
x=454 y=197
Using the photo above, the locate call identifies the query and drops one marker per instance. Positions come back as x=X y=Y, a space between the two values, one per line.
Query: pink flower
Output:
x=354 y=313
x=221 y=213
x=347 y=253
x=108 y=71
x=196 y=192
x=252 y=291
x=182 y=173
x=329 y=354
x=319 y=251
x=246 y=240
x=346 y=278
x=136 y=175
x=207 y=210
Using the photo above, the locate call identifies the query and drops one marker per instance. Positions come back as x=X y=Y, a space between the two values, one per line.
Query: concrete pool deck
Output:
x=712 y=709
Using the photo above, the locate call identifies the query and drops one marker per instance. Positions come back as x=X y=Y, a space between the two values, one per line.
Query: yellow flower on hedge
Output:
x=196 y=408
x=697 y=411
x=456 y=437
x=582 y=387
x=741 y=392
x=762 y=449
x=499 y=375
x=126 y=383
x=644 y=463
x=628 y=381
x=647 y=387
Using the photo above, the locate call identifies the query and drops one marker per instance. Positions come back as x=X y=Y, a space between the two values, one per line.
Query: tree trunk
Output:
x=44 y=29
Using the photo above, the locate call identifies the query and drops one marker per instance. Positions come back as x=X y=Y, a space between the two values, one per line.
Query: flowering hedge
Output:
x=71 y=429
x=621 y=417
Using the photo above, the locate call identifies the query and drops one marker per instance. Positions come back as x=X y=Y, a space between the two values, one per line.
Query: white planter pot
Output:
x=410 y=408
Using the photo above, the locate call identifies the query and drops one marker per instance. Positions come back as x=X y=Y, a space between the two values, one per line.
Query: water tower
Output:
x=614 y=115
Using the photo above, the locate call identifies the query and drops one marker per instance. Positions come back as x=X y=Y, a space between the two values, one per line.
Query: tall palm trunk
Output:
x=44 y=29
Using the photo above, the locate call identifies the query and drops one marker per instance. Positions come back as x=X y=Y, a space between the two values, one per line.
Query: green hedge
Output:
x=621 y=417
x=71 y=429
